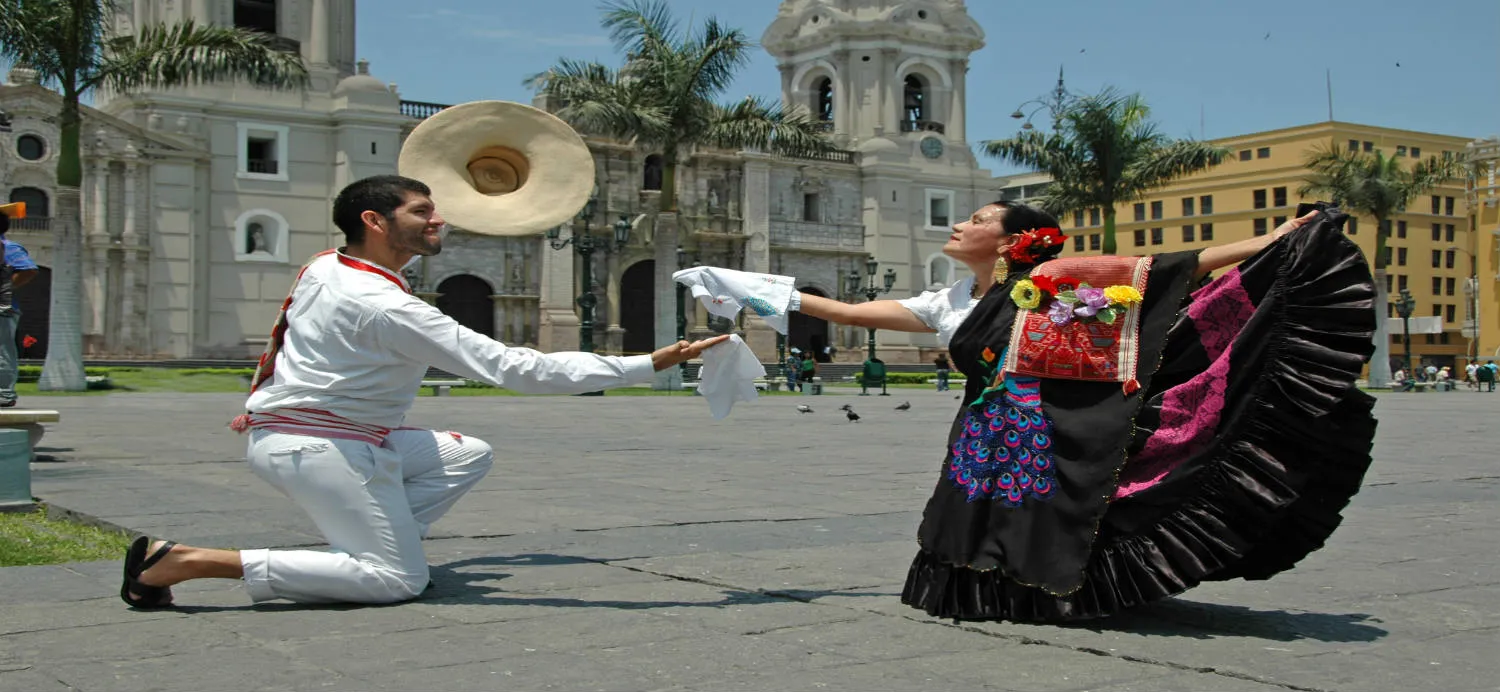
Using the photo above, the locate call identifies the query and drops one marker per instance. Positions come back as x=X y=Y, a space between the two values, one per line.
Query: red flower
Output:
x=1033 y=243
x=1067 y=283
x=28 y=341
x=1045 y=283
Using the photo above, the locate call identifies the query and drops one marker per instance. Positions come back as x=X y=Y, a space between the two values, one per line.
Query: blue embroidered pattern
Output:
x=761 y=306
x=1004 y=451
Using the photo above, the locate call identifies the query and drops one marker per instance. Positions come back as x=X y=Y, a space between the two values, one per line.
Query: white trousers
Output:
x=373 y=505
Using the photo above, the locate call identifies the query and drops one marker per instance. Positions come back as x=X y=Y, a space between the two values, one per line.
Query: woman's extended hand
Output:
x=1293 y=225
x=683 y=351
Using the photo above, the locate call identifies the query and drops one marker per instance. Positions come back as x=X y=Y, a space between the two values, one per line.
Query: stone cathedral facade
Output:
x=201 y=204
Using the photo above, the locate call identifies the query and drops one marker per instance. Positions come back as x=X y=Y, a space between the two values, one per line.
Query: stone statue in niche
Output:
x=255 y=239
x=517 y=276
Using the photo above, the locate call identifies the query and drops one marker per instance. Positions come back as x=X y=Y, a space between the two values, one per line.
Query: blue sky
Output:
x=1208 y=68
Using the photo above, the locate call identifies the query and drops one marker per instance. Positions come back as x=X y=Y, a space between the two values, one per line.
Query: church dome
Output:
x=360 y=81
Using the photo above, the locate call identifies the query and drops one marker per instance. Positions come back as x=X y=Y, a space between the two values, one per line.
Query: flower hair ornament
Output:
x=1034 y=244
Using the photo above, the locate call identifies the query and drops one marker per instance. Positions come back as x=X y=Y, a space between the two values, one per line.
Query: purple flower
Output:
x=1060 y=313
x=1090 y=301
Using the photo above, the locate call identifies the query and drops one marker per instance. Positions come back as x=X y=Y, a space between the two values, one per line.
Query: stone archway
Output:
x=466 y=298
x=35 y=303
x=808 y=333
x=638 y=307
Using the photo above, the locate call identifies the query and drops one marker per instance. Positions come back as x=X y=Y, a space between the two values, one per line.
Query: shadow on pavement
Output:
x=1194 y=620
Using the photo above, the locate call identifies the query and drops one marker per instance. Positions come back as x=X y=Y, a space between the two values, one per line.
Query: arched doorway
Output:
x=35 y=303
x=808 y=333
x=466 y=298
x=638 y=307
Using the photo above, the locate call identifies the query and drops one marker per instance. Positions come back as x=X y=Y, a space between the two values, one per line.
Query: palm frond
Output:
x=598 y=100
x=754 y=122
x=1161 y=165
x=640 y=27
x=160 y=56
x=59 y=40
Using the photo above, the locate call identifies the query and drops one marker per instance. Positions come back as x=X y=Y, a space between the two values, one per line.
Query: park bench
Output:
x=441 y=387
x=760 y=385
x=29 y=420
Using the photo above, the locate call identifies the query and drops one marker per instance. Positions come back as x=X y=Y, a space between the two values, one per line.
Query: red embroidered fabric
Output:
x=1082 y=350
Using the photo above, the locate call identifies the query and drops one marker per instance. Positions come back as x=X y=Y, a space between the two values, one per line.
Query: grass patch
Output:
x=192 y=381
x=34 y=539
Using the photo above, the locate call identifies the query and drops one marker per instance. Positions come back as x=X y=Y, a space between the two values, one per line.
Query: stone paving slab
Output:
x=636 y=544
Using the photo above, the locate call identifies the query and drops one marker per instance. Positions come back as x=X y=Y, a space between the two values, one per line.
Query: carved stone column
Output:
x=956 y=125
x=558 y=322
x=890 y=110
x=664 y=252
x=128 y=320
x=757 y=205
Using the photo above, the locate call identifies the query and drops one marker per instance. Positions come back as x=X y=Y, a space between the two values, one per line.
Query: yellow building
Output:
x=1255 y=190
x=1484 y=218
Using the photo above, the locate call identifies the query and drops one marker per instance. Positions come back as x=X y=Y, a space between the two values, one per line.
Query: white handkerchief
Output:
x=728 y=375
x=724 y=292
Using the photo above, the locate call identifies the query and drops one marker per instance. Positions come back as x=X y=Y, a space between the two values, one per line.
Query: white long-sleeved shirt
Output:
x=358 y=343
x=944 y=309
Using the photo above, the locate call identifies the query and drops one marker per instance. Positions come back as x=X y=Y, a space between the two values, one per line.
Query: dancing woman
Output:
x=1126 y=433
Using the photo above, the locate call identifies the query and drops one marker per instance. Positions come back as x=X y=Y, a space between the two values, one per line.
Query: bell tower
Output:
x=321 y=30
x=877 y=68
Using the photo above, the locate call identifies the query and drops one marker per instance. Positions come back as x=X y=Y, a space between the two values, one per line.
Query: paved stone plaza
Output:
x=633 y=543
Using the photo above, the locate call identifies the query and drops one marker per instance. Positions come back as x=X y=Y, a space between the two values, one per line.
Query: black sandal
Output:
x=136 y=561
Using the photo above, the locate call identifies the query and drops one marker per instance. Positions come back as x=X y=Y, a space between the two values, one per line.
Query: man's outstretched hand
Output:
x=682 y=351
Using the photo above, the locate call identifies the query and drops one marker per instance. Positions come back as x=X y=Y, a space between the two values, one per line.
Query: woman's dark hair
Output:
x=381 y=194
x=1019 y=218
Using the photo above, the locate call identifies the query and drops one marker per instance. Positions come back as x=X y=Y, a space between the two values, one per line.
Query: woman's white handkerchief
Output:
x=724 y=292
x=728 y=375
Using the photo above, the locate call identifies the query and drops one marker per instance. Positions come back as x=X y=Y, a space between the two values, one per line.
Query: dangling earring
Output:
x=1002 y=269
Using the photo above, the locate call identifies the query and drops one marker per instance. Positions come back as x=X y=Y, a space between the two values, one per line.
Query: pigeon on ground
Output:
x=804 y=408
x=905 y=406
x=851 y=415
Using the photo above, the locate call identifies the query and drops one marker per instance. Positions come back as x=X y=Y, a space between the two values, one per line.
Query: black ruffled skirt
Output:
x=1249 y=441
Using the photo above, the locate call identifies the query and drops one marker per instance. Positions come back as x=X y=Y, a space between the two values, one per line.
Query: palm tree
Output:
x=67 y=43
x=665 y=95
x=1380 y=187
x=1103 y=151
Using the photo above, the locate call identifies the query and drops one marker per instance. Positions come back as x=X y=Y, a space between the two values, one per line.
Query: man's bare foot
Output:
x=170 y=569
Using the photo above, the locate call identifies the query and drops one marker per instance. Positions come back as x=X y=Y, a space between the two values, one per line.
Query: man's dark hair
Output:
x=4 y=224
x=381 y=194
x=1019 y=218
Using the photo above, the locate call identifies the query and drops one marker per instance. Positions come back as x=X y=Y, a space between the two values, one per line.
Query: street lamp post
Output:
x=585 y=244
x=1053 y=103
x=871 y=291
x=1404 y=307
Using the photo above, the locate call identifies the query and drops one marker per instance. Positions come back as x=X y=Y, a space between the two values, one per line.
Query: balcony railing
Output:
x=32 y=223
x=285 y=45
x=923 y=126
x=421 y=110
x=267 y=166
x=834 y=156
x=823 y=126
